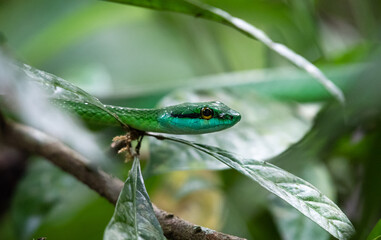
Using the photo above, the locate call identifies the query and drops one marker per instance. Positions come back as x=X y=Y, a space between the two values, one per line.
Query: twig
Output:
x=37 y=142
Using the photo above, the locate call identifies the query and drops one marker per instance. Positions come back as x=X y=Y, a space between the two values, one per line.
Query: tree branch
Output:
x=37 y=142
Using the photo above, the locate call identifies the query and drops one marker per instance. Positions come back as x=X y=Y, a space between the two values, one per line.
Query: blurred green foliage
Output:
x=134 y=57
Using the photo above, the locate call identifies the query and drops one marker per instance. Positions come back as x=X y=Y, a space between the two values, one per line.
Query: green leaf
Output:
x=297 y=192
x=134 y=217
x=60 y=89
x=202 y=10
x=22 y=95
x=291 y=223
x=375 y=234
x=284 y=84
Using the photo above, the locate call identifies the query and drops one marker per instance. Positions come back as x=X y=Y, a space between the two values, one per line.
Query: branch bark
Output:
x=39 y=143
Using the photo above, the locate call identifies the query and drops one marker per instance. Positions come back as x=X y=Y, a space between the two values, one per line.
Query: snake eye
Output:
x=206 y=113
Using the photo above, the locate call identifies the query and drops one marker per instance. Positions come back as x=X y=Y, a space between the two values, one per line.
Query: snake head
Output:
x=198 y=118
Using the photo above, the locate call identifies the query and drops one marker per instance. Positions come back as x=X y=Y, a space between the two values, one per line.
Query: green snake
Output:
x=186 y=118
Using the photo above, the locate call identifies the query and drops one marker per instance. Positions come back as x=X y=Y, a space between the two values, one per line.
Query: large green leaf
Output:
x=292 y=224
x=134 y=217
x=297 y=192
x=60 y=89
x=198 y=9
x=288 y=84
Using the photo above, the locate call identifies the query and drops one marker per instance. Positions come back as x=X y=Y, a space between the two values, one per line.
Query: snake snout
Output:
x=235 y=116
x=232 y=115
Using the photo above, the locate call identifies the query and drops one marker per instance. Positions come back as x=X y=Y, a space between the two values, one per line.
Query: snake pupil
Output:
x=206 y=113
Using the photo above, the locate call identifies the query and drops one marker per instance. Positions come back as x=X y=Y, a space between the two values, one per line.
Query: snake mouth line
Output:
x=198 y=116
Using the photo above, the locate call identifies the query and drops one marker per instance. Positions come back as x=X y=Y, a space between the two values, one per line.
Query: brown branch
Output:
x=37 y=142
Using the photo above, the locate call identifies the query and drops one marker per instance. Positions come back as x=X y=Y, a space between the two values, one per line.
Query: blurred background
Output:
x=137 y=57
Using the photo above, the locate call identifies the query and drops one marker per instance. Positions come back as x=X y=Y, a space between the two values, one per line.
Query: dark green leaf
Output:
x=134 y=217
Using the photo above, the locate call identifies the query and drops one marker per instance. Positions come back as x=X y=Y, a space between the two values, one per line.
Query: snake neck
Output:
x=141 y=119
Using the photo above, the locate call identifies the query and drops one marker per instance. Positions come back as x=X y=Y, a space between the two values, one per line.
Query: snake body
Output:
x=186 y=118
